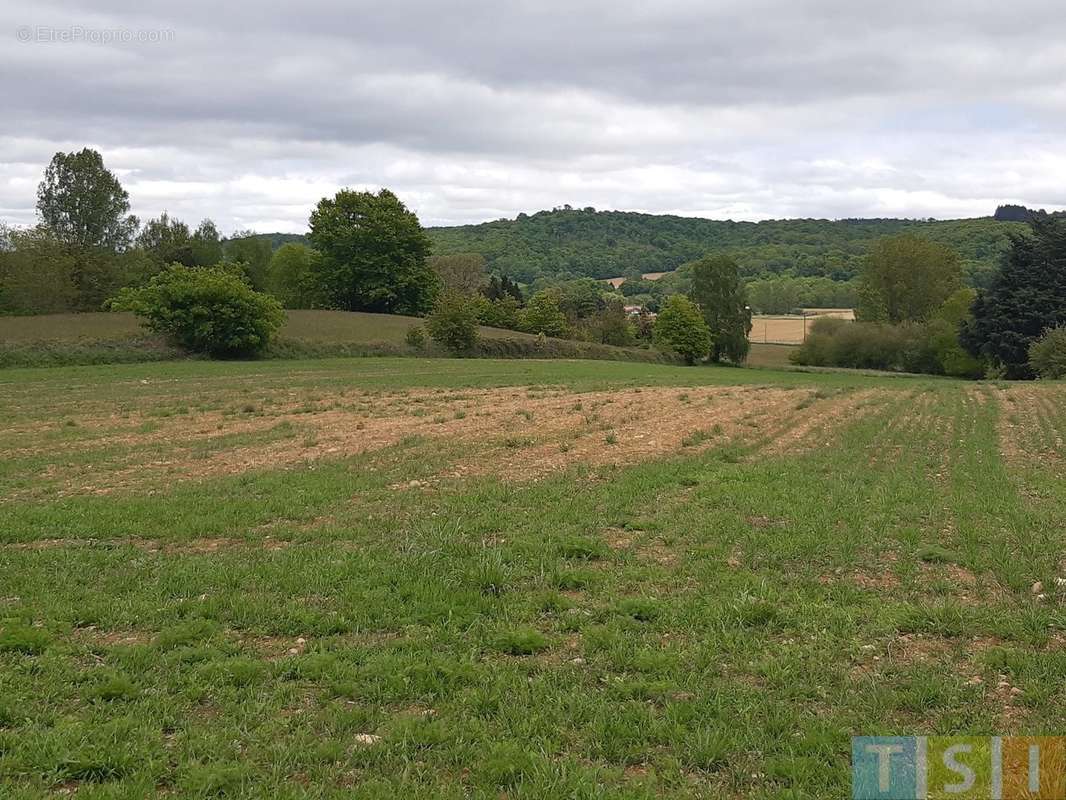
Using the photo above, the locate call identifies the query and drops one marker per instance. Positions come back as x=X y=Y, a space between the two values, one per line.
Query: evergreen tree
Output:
x=1027 y=296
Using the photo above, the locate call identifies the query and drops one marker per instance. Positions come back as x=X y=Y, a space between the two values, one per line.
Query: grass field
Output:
x=791 y=329
x=432 y=578
x=98 y=338
x=316 y=326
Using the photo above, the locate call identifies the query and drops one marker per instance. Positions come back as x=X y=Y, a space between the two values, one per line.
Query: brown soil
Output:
x=517 y=432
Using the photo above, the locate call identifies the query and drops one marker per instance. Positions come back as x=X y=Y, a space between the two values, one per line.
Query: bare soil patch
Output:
x=521 y=433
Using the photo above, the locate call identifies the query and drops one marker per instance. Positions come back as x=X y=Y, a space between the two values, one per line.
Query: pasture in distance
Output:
x=429 y=578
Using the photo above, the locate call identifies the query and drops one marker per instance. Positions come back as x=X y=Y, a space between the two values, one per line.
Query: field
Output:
x=93 y=338
x=791 y=329
x=433 y=578
x=318 y=326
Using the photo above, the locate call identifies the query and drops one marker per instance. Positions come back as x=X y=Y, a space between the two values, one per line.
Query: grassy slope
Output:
x=317 y=326
x=119 y=337
x=708 y=625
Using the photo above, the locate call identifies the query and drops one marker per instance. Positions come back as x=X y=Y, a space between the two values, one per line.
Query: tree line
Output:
x=570 y=243
x=365 y=251
x=915 y=314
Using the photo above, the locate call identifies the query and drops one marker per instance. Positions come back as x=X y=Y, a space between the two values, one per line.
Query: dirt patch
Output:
x=521 y=433
x=876 y=581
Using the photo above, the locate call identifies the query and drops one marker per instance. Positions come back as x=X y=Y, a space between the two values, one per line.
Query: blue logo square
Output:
x=884 y=768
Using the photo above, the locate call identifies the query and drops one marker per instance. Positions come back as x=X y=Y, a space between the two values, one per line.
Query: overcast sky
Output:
x=248 y=114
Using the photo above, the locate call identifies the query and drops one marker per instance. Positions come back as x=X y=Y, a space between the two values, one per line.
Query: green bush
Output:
x=208 y=310
x=415 y=337
x=501 y=313
x=1047 y=355
x=453 y=322
x=544 y=314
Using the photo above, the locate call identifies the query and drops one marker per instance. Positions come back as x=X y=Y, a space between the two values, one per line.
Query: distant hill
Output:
x=571 y=242
x=607 y=244
x=276 y=239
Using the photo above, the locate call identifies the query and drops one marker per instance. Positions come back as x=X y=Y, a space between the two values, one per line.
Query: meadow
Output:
x=437 y=578
x=106 y=338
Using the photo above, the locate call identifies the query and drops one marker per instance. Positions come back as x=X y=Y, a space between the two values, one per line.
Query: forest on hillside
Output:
x=567 y=242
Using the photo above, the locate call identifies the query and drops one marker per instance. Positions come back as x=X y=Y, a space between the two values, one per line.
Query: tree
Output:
x=612 y=324
x=206 y=244
x=83 y=203
x=906 y=278
x=373 y=254
x=943 y=332
x=501 y=313
x=498 y=288
x=461 y=272
x=1026 y=297
x=543 y=315
x=681 y=328
x=581 y=299
x=720 y=294
x=252 y=252
x=209 y=310
x=167 y=241
x=1047 y=355
x=453 y=322
x=37 y=274
x=289 y=276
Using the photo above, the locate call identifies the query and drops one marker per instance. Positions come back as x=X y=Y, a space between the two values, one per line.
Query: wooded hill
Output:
x=606 y=244
x=566 y=243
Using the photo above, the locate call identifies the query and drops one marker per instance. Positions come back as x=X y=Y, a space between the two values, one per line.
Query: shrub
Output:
x=680 y=328
x=415 y=337
x=544 y=315
x=1047 y=355
x=208 y=310
x=869 y=345
x=453 y=322
x=501 y=313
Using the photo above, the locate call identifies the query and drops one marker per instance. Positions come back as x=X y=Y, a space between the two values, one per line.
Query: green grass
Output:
x=109 y=338
x=714 y=623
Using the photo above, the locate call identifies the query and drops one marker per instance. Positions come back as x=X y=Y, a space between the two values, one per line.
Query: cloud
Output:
x=475 y=110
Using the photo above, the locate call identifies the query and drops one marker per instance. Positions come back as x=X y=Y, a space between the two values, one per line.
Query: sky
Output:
x=472 y=110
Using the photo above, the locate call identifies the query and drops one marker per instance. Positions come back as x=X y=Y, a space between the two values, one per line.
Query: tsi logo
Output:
x=935 y=767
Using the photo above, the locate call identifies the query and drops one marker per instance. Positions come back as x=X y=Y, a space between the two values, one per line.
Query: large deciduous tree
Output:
x=1027 y=296
x=681 y=328
x=83 y=204
x=720 y=294
x=373 y=254
x=460 y=272
x=906 y=279
x=289 y=278
x=166 y=241
x=252 y=252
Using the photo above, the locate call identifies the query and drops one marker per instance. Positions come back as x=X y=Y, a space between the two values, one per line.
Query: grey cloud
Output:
x=480 y=109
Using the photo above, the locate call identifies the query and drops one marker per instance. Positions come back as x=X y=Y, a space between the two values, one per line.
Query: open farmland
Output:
x=791 y=328
x=427 y=578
